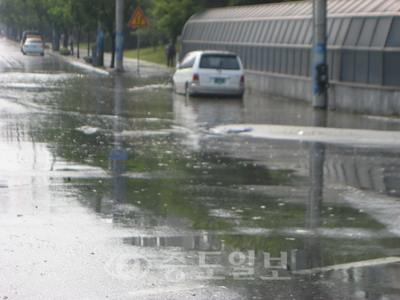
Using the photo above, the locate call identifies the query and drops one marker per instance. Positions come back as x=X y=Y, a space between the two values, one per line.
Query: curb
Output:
x=79 y=62
x=130 y=64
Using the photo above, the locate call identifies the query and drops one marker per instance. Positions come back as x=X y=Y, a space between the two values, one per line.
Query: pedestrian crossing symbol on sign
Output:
x=138 y=19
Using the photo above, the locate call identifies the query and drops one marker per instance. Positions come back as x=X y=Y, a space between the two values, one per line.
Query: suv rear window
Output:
x=34 y=41
x=215 y=61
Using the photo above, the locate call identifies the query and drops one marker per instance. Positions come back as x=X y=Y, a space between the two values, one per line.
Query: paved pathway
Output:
x=130 y=65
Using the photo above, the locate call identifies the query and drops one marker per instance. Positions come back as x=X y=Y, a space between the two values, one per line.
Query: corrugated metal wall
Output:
x=363 y=38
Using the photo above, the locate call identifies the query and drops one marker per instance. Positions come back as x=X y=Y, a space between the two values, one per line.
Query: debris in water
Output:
x=225 y=130
x=88 y=129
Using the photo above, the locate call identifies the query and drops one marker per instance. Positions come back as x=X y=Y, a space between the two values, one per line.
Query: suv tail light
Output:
x=242 y=80
x=196 y=78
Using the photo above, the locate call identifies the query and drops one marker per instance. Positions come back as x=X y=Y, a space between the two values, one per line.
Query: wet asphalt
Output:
x=113 y=187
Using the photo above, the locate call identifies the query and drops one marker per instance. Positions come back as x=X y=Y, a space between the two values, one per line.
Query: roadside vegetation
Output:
x=151 y=54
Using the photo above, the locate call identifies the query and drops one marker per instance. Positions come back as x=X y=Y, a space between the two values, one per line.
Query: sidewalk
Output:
x=130 y=65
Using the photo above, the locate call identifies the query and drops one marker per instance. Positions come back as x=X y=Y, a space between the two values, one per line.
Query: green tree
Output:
x=82 y=18
x=13 y=14
x=173 y=14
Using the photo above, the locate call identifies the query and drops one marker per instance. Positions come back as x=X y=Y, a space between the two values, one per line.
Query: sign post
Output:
x=138 y=20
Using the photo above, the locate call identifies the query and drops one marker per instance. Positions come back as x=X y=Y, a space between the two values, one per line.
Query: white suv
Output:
x=210 y=73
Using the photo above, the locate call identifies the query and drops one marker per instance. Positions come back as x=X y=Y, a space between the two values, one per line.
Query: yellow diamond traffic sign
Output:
x=138 y=19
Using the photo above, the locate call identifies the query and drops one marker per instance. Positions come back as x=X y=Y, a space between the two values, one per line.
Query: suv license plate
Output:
x=219 y=80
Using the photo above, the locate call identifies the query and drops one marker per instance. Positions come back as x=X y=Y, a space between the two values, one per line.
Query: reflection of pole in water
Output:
x=314 y=204
x=117 y=101
x=315 y=195
x=311 y=256
x=117 y=129
x=317 y=159
x=99 y=103
x=118 y=154
x=99 y=96
x=320 y=118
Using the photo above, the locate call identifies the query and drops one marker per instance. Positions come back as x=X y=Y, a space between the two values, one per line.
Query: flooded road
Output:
x=113 y=187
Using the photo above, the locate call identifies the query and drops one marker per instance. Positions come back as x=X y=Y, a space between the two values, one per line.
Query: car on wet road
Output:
x=29 y=34
x=33 y=45
x=210 y=73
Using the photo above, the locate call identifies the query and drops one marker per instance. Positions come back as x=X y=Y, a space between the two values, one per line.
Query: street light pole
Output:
x=119 y=11
x=320 y=70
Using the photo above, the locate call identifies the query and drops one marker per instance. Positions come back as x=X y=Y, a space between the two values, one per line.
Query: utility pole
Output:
x=119 y=48
x=320 y=70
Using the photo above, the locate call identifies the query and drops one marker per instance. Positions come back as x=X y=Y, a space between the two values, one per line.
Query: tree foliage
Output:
x=13 y=12
x=172 y=15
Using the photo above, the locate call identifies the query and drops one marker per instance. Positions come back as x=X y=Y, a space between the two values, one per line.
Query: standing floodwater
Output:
x=111 y=186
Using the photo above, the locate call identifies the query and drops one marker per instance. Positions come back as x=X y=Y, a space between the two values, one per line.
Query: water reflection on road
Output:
x=224 y=196
x=145 y=160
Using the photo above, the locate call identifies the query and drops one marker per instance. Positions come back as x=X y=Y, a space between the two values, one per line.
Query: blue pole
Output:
x=119 y=48
x=320 y=70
